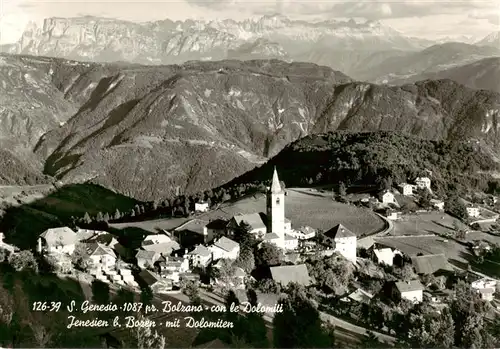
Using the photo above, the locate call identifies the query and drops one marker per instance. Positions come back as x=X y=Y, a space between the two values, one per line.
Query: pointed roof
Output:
x=275 y=185
x=339 y=231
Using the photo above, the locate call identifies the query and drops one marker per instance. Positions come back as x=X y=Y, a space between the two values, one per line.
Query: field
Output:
x=425 y=223
x=302 y=207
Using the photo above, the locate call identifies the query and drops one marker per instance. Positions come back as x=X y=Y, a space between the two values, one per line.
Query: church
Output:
x=273 y=226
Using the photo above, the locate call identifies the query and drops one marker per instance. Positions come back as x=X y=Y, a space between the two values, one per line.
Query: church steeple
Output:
x=275 y=185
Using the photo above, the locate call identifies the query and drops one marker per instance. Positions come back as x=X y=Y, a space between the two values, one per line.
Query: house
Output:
x=172 y=267
x=437 y=204
x=156 y=239
x=410 y=290
x=101 y=256
x=344 y=241
x=406 y=189
x=431 y=264
x=146 y=259
x=200 y=257
x=386 y=197
x=291 y=242
x=303 y=233
x=201 y=206
x=423 y=183
x=291 y=273
x=473 y=211
x=385 y=255
x=392 y=215
x=155 y=282
x=57 y=240
x=217 y=227
x=256 y=221
x=225 y=248
x=359 y=296
x=193 y=232
x=485 y=287
x=6 y=247
x=164 y=248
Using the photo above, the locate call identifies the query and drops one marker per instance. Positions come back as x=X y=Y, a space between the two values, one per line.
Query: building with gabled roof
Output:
x=430 y=264
x=224 y=248
x=164 y=248
x=146 y=259
x=57 y=240
x=256 y=221
x=410 y=290
x=193 y=232
x=423 y=183
x=155 y=282
x=286 y=274
x=344 y=241
x=101 y=256
x=200 y=257
x=406 y=189
x=385 y=255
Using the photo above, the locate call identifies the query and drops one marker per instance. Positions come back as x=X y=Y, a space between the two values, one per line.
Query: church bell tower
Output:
x=276 y=208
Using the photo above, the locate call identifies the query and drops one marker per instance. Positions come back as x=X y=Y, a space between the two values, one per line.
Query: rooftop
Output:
x=409 y=286
x=226 y=244
x=339 y=231
x=429 y=264
x=253 y=219
x=62 y=235
x=194 y=225
x=200 y=250
x=165 y=248
x=291 y=273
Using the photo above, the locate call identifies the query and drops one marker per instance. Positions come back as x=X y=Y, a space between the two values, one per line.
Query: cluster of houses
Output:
x=167 y=258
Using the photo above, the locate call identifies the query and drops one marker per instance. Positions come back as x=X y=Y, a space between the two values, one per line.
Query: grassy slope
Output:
x=302 y=207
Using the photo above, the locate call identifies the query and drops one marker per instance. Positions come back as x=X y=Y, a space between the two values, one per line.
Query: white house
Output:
x=485 y=287
x=57 y=240
x=200 y=256
x=146 y=259
x=101 y=256
x=406 y=189
x=172 y=267
x=6 y=247
x=386 y=197
x=345 y=241
x=385 y=255
x=423 y=183
x=473 y=211
x=291 y=242
x=392 y=215
x=156 y=239
x=224 y=248
x=254 y=220
x=201 y=207
x=303 y=233
x=410 y=290
x=437 y=204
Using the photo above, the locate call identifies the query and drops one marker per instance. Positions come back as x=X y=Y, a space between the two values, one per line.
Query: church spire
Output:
x=275 y=185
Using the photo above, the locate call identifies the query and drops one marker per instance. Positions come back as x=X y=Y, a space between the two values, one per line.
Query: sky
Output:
x=418 y=18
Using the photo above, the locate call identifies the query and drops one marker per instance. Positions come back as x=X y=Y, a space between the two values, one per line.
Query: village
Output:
x=404 y=261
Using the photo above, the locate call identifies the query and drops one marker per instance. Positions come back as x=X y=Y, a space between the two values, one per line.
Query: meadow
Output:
x=302 y=207
x=425 y=223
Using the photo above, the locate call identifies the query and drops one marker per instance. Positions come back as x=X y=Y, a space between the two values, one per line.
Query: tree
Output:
x=23 y=260
x=106 y=217
x=342 y=189
x=79 y=257
x=455 y=207
x=299 y=325
x=117 y=215
x=246 y=259
x=370 y=341
x=268 y=255
x=99 y=217
x=147 y=295
x=100 y=291
x=190 y=289
x=256 y=331
x=144 y=338
x=86 y=218
x=425 y=198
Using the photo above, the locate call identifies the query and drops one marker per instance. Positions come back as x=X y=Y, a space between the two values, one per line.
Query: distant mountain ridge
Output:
x=492 y=39
x=145 y=131
x=483 y=74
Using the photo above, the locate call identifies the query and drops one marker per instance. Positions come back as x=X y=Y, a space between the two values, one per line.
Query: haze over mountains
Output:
x=146 y=130
x=367 y=51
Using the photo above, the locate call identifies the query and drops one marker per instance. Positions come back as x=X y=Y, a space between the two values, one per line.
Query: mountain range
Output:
x=151 y=131
x=367 y=51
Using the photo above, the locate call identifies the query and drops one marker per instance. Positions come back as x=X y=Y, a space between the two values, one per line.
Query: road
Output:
x=345 y=327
